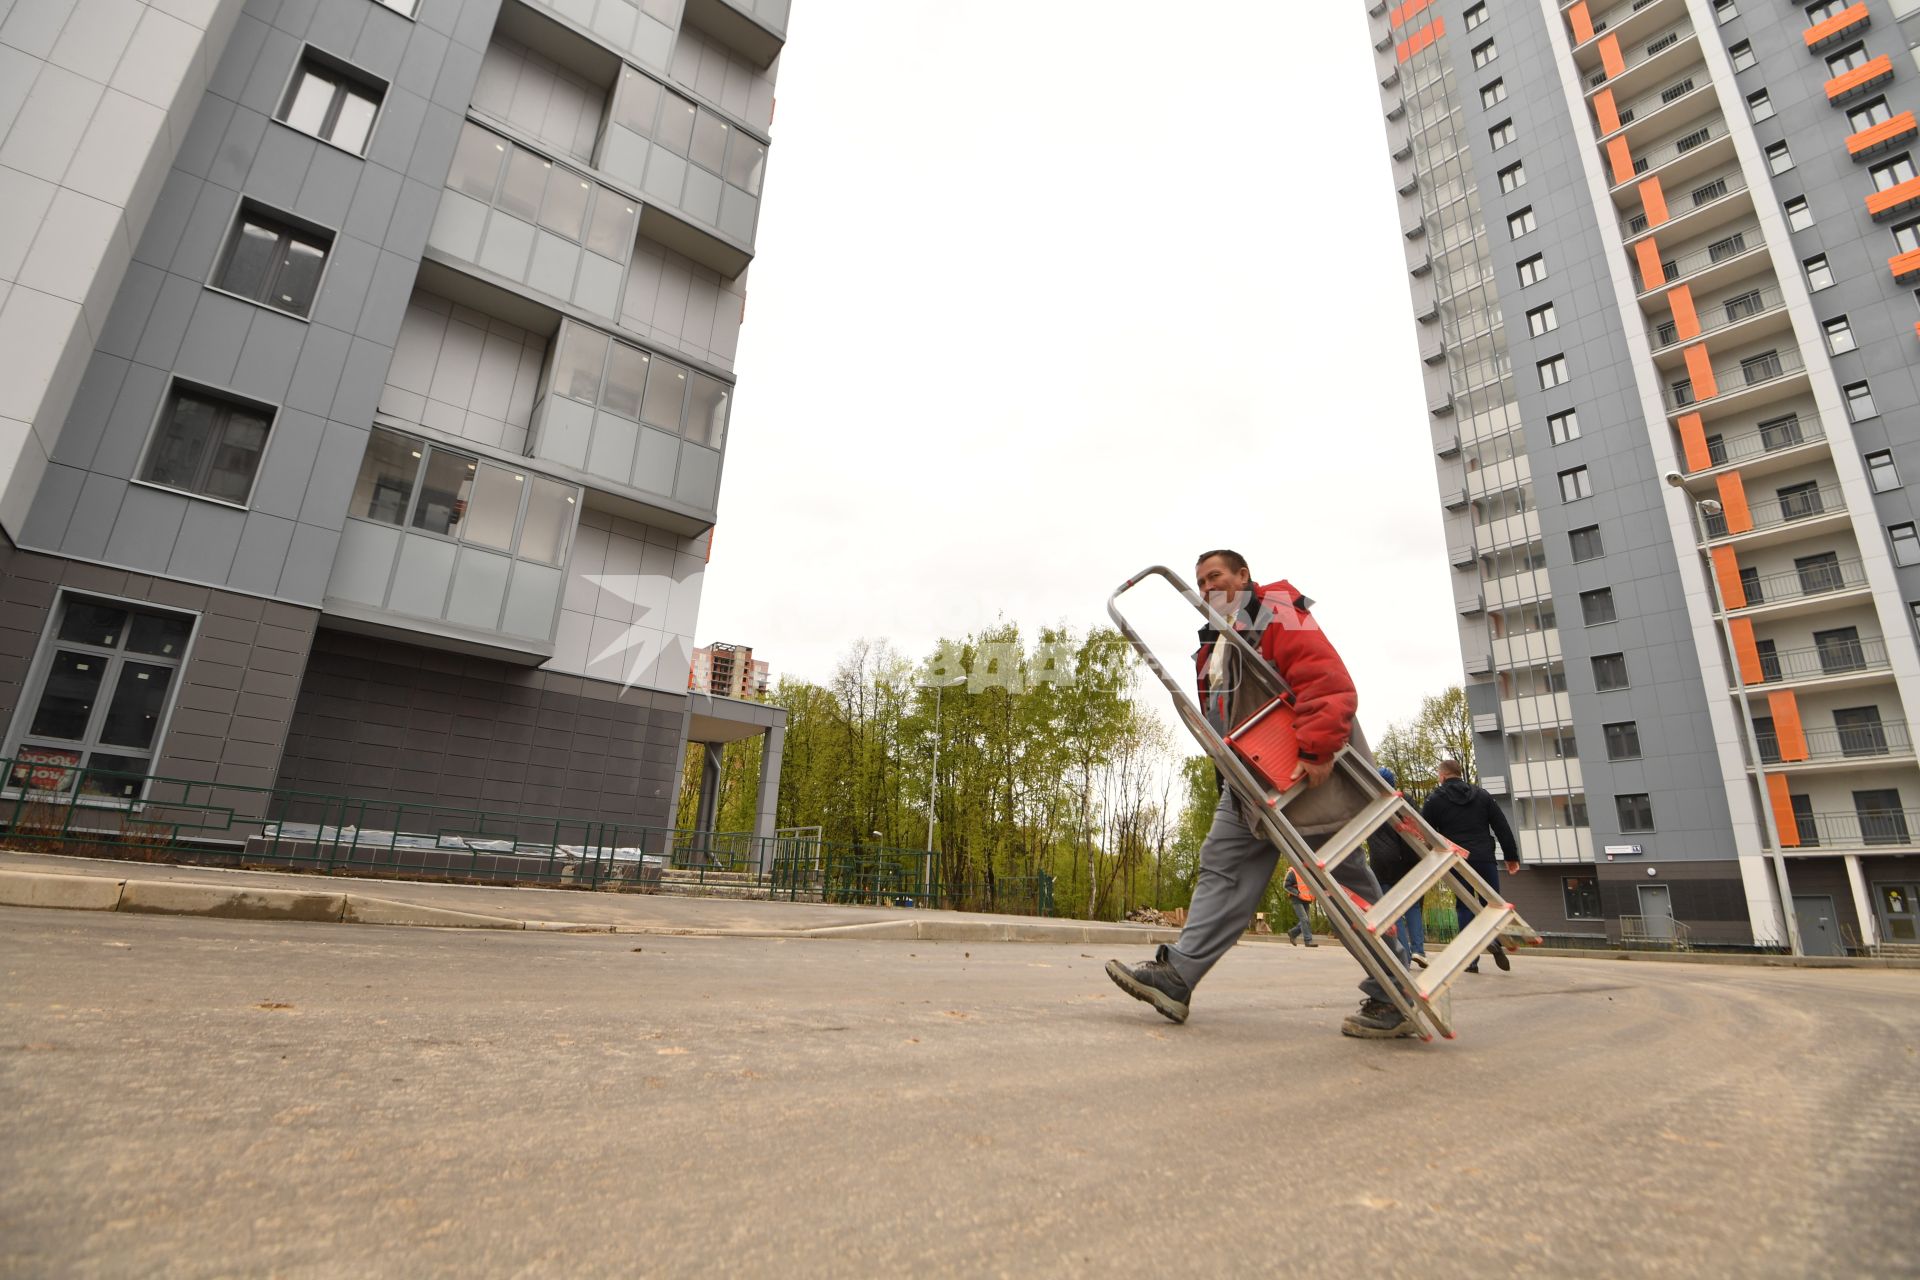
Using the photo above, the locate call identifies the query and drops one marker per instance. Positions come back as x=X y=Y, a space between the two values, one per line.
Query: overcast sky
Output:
x=1048 y=291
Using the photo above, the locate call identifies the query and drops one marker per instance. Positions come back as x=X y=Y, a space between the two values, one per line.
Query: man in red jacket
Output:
x=1236 y=863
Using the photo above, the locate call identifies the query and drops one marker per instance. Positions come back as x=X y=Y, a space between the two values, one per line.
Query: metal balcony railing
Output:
x=1734 y=377
x=1703 y=196
x=1618 y=14
x=1818 y=579
x=1771 y=437
x=1801 y=504
x=1722 y=314
x=1642 y=51
x=1648 y=103
x=1655 y=931
x=1663 y=154
x=1878 y=828
x=1835 y=658
x=1733 y=243
x=1854 y=742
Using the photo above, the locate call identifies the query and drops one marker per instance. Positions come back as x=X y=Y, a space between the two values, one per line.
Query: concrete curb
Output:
x=1726 y=958
x=225 y=902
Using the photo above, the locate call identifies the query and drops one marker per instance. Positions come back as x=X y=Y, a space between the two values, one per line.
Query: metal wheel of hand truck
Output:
x=1318 y=828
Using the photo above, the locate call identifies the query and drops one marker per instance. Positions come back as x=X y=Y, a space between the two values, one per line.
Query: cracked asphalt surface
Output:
x=199 y=1097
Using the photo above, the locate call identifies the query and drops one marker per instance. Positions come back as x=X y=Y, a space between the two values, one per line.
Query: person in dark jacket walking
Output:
x=1467 y=815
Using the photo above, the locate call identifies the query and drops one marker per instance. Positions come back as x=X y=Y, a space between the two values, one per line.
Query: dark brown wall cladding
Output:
x=242 y=677
x=1708 y=897
x=1543 y=904
x=391 y=722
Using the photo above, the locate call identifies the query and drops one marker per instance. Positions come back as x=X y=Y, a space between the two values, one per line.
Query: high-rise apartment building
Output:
x=1664 y=257
x=367 y=375
x=728 y=670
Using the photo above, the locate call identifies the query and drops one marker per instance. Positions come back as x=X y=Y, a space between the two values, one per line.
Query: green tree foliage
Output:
x=1049 y=763
x=1412 y=748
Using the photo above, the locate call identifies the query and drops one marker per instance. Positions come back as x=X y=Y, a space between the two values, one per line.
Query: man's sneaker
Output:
x=1475 y=966
x=1156 y=982
x=1312 y=943
x=1377 y=1020
x=1419 y=958
x=1500 y=958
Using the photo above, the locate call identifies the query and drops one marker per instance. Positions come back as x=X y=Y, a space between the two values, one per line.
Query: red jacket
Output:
x=1291 y=639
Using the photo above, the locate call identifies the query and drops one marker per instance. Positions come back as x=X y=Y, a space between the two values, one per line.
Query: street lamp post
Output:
x=1699 y=510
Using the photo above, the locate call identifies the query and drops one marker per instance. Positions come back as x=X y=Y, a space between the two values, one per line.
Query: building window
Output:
x=408 y=483
x=1553 y=371
x=1582 y=896
x=1475 y=16
x=1819 y=274
x=1533 y=270
x=1820 y=12
x=1849 y=58
x=1585 y=543
x=1513 y=177
x=1634 y=811
x=1596 y=606
x=1779 y=159
x=1501 y=134
x=272 y=262
x=99 y=691
x=1859 y=401
x=1519 y=224
x=1725 y=11
x=1759 y=106
x=1564 y=426
x=1609 y=671
x=1906 y=544
x=1799 y=217
x=331 y=103
x=1493 y=94
x=1891 y=173
x=1839 y=335
x=1881 y=473
x=639 y=386
x=1742 y=55
x=1574 y=485
x=402 y=7
x=1623 y=740
x=1542 y=320
x=1906 y=237
x=1869 y=113
x=208 y=445
x=1484 y=53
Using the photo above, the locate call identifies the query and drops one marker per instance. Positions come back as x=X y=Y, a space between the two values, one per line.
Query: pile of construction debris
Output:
x=1175 y=919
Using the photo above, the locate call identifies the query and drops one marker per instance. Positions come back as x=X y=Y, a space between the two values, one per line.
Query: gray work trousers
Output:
x=1235 y=867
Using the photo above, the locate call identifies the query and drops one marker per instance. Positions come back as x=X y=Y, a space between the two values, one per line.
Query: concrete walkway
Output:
x=92 y=884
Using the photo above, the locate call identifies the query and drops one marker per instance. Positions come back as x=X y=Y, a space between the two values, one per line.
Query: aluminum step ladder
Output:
x=1319 y=828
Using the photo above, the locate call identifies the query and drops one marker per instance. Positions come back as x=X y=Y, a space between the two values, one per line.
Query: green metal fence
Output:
x=56 y=807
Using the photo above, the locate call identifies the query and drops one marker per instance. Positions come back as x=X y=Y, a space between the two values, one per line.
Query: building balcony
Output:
x=1745 y=315
x=1630 y=23
x=1658 y=113
x=1555 y=845
x=1882 y=137
x=1704 y=147
x=1849 y=662
x=1694 y=210
x=1640 y=61
x=1767 y=375
x=1898 y=198
x=1528 y=648
x=1839 y=27
x=1905 y=266
x=1868 y=831
x=1769 y=447
x=1536 y=711
x=1728 y=257
x=1845 y=88
x=1824 y=503
x=1874 y=744
x=1808 y=590
x=1545 y=777
x=754 y=29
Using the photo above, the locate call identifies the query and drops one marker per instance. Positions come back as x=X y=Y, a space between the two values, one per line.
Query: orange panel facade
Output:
x=1726 y=572
x=1787 y=731
x=1886 y=133
x=1733 y=503
x=1783 y=818
x=1606 y=112
x=1700 y=372
x=1610 y=60
x=1746 y=652
x=1686 y=322
x=1654 y=201
x=1620 y=157
x=1693 y=439
x=1647 y=253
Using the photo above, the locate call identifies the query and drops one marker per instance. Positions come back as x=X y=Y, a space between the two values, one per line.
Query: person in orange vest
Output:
x=1302 y=899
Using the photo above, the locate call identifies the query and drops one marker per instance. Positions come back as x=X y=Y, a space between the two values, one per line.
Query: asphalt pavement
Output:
x=195 y=1097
